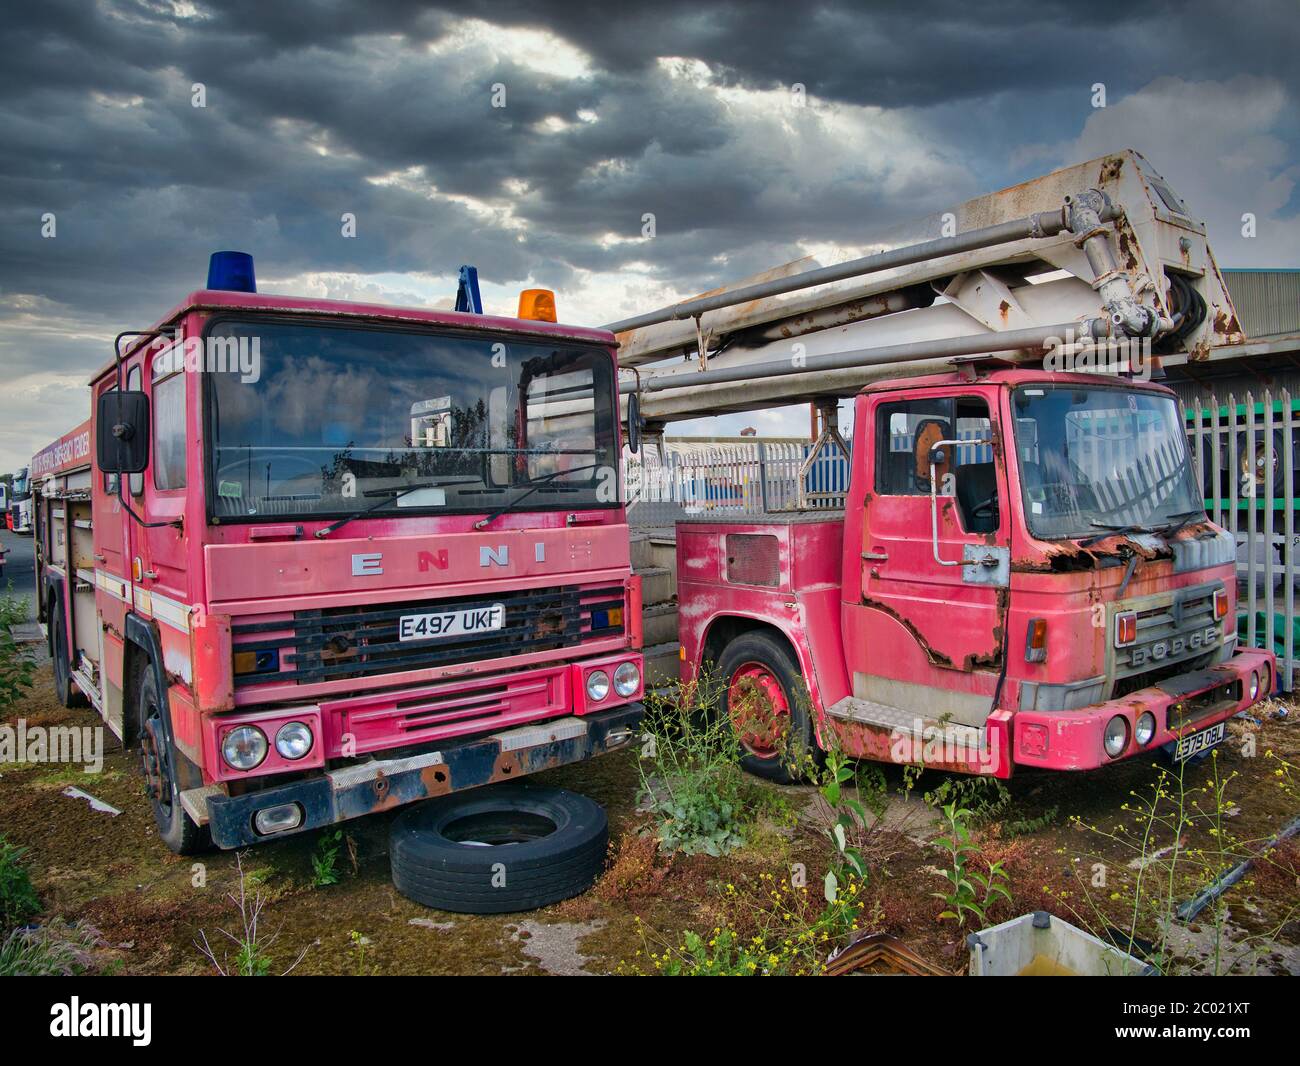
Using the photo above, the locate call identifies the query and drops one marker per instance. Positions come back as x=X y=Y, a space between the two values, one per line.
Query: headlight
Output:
x=626 y=679
x=293 y=740
x=597 y=685
x=1116 y=736
x=244 y=747
x=1254 y=685
x=1146 y=728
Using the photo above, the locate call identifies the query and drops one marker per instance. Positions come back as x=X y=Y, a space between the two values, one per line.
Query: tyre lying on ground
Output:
x=498 y=849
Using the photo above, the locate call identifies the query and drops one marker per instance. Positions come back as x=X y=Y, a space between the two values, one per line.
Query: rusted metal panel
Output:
x=804 y=605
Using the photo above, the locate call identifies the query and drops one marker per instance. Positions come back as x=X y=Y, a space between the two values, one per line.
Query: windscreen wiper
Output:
x=1114 y=531
x=1178 y=521
x=390 y=496
x=536 y=484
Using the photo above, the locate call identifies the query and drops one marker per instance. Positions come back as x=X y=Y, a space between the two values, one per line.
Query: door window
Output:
x=135 y=482
x=169 y=432
x=905 y=434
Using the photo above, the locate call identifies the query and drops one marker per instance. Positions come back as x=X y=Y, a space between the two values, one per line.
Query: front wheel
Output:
x=159 y=764
x=767 y=703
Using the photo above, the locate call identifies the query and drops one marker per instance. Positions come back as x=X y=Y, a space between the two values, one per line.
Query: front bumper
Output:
x=381 y=784
x=1187 y=703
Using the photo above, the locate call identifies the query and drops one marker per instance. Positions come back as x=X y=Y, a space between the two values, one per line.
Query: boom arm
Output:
x=1094 y=253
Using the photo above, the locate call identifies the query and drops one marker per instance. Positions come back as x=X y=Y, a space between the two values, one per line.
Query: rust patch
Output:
x=1225 y=322
x=436 y=780
x=507 y=766
x=885 y=744
x=984 y=661
x=382 y=797
x=936 y=657
x=1071 y=557
x=1126 y=248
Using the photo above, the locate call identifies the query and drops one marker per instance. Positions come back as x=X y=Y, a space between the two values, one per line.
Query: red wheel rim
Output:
x=760 y=712
x=157 y=785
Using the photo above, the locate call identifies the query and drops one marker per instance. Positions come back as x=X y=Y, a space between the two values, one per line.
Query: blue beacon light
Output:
x=231 y=272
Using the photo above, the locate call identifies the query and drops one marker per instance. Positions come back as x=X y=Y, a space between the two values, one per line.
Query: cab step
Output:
x=896 y=720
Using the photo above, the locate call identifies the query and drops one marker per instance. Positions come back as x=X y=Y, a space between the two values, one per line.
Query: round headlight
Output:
x=1116 y=739
x=1145 y=729
x=597 y=685
x=244 y=747
x=293 y=740
x=1254 y=685
x=626 y=679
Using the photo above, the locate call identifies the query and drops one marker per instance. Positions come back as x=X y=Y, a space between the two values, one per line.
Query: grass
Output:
x=18 y=899
x=252 y=945
x=58 y=949
x=699 y=799
x=324 y=860
x=17 y=663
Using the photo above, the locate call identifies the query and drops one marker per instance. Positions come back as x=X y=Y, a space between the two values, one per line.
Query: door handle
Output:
x=876 y=557
x=151 y=575
x=99 y=557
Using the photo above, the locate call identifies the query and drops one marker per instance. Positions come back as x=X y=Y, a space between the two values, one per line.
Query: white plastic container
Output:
x=1041 y=945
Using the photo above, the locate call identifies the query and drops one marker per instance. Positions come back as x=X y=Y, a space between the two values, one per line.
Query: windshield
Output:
x=333 y=421
x=1092 y=458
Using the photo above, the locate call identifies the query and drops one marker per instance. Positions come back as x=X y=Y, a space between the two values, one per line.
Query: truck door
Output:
x=109 y=540
x=111 y=548
x=163 y=583
x=927 y=634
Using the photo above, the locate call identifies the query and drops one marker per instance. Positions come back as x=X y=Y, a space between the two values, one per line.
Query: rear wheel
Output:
x=766 y=701
x=159 y=764
x=64 y=689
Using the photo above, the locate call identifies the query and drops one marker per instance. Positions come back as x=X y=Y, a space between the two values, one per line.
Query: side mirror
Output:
x=633 y=423
x=122 y=432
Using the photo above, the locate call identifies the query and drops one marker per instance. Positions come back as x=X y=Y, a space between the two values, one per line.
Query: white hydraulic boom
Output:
x=1085 y=260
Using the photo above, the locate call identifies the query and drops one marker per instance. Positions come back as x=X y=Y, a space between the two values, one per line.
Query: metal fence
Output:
x=747 y=478
x=1245 y=452
x=755 y=476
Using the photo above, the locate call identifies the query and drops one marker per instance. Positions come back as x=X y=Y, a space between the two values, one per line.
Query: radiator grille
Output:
x=1176 y=632
x=360 y=641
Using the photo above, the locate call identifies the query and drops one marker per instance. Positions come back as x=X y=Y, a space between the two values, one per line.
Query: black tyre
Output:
x=766 y=701
x=160 y=764
x=64 y=690
x=1252 y=473
x=498 y=849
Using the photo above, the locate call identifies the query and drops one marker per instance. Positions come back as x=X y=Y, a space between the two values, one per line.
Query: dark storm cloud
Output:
x=308 y=101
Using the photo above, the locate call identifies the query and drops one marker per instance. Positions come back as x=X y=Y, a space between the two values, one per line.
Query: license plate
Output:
x=1199 y=742
x=467 y=621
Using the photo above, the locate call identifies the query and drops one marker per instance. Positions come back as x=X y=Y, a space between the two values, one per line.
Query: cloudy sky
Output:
x=612 y=111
